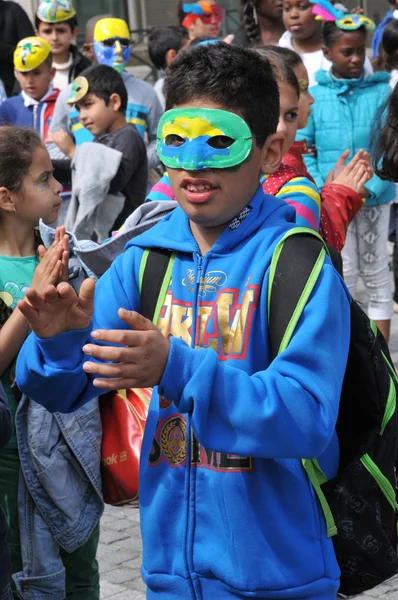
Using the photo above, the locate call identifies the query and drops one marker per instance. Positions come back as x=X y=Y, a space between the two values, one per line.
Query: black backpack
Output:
x=359 y=504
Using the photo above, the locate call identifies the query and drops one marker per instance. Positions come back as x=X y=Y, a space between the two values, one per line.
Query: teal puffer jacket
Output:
x=342 y=118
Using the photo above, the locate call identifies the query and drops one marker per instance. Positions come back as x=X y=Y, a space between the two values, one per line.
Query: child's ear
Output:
x=7 y=201
x=75 y=33
x=52 y=73
x=272 y=153
x=115 y=102
x=326 y=52
x=170 y=56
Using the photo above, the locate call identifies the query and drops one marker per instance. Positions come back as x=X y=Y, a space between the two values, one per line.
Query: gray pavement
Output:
x=120 y=545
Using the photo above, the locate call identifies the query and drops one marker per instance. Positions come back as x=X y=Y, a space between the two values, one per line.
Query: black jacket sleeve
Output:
x=132 y=148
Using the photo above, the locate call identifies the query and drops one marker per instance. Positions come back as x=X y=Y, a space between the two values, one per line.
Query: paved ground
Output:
x=120 y=546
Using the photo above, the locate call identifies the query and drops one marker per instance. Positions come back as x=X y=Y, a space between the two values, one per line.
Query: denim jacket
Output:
x=59 y=498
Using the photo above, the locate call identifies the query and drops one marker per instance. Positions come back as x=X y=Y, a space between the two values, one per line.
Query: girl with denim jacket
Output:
x=29 y=192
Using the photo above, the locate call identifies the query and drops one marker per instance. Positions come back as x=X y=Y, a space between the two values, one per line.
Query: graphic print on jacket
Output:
x=223 y=325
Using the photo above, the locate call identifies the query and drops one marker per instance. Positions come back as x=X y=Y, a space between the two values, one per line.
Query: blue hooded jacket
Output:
x=227 y=510
x=343 y=117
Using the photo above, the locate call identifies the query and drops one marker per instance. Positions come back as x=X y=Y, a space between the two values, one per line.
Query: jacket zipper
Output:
x=35 y=116
x=189 y=537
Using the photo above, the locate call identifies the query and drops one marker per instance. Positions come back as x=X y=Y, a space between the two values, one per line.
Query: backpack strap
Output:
x=295 y=267
x=154 y=279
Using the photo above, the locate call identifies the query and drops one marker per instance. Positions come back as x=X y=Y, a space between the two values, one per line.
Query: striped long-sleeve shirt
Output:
x=299 y=192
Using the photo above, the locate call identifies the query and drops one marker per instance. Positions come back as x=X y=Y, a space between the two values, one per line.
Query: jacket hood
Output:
x=327 y=79
x=174 y=232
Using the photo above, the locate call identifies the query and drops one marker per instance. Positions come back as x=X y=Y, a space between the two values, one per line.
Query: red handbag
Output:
x=123 y=415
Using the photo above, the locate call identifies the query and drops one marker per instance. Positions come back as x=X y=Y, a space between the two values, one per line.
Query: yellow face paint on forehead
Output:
x=190 y=128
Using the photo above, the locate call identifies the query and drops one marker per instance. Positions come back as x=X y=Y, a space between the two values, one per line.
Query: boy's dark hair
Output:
x=385 y=140
x=73 y=23
x=163 y=39
x=282 y=61
x=17 y=145
x=236 y=78
x=331 y=33
x=390 y=44
x=103 y=81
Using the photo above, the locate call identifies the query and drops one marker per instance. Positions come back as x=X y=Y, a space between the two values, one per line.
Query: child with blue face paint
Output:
x=227 y=511
x=112 y=48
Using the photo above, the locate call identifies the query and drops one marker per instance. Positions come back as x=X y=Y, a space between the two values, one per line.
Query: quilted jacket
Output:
x=342 y=118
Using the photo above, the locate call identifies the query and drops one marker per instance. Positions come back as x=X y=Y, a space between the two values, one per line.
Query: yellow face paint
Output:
x=190 y=128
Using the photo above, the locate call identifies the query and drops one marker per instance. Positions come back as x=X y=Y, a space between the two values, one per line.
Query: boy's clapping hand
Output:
x=58 y=309
x=140 y=360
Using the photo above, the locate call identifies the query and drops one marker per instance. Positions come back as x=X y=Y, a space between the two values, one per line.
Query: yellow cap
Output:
x=30 y=53
x=55 y=11
x=106 y=29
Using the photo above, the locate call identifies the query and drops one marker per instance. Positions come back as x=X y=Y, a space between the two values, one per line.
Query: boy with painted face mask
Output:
x=112 y=48
x=56 y=22
x=226 y=507
x=35 y=104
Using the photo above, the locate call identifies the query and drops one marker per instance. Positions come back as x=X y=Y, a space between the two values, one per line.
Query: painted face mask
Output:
x=203 y=138
x=30 y=53
x=112 y=43
x=208 y=13
x=55 y=11
x=325 y=11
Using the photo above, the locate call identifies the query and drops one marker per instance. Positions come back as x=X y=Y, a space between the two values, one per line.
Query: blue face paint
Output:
x=195 y=148
x=115 y=56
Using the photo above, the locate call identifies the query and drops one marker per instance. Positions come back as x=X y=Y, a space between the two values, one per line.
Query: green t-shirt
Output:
x=16 y=275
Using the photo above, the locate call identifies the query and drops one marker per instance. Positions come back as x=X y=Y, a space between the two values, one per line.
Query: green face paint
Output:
x=203 y=138
x=42 y=184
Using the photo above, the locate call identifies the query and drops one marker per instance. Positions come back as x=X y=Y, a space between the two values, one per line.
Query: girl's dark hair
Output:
x=16 y=150
x=250 y=23
x=235 y=78
x=390 y=44
x=331 y=33
x=385 y=143
x=282 y=61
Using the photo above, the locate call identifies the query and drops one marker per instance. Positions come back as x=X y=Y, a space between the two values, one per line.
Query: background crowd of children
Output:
x=81 y=154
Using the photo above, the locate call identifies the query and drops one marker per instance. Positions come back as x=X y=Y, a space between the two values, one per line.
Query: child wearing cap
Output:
x=56 y=22
x=34 y=105
x=100 y=99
